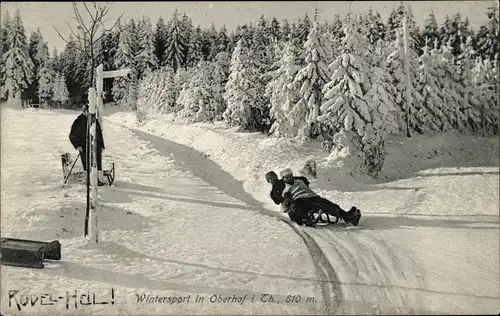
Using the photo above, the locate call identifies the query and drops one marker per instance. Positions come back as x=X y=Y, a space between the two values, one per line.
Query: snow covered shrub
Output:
x=196 y=97
x=345 y=143
x=310 y=169
x=181 y=81
x=372 y=146
x=326 y=133
x=129 y=100
x=168 y=94
x=485 y=96
x=155 y=95
x=346 y=160
x=145 y=99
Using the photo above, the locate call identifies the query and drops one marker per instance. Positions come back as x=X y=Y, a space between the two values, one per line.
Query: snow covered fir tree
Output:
x=309 y=82
x=282 y=97
x=60 y=93
x=17 y=66
x=241 y=94
x=358 y=105
x=311 y=79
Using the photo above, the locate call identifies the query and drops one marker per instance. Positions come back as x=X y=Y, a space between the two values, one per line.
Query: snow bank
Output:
x=248 y=156
x=11 y=104
x=411 y=155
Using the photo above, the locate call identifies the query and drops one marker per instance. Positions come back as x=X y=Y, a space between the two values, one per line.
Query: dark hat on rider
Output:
x=270 y=175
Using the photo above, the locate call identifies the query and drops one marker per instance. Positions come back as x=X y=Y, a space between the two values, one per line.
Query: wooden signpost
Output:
x=95 y=111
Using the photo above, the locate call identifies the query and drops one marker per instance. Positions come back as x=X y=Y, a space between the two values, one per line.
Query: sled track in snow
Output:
x=332 y=294
x=191 y=160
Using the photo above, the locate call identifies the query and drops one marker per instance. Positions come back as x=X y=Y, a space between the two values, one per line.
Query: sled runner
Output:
x=318 y=216
x=28 y=253
x=315 y=217
x=68 y=173
x=67 y=166
x=110 y=174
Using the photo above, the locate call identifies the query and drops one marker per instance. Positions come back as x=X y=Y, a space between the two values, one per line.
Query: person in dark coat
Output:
x=278 y=186
x=78 y=138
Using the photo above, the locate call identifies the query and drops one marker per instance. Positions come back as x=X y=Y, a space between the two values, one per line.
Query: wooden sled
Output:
x=28 y=253
x=68 y=173
x=316 y=217
x=110 y=174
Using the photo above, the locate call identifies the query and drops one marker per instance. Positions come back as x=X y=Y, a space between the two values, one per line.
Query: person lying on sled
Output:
x=304 y=199
x=278 y=186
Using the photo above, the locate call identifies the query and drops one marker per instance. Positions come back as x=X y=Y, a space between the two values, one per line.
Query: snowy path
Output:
x=428 y=244
x=395 y=262
x=163 y=232
x=192 y=161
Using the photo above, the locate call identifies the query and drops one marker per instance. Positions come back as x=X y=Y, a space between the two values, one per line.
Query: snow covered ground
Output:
x=163 y=231
x=428 y=241
x=178 y=224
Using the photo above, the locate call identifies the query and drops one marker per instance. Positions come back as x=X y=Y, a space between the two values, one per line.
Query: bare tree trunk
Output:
x=97 y=21
x=407 y=71
x=483 y=121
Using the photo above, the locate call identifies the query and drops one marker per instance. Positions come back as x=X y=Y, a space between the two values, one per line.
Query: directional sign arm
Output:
x=116 y=73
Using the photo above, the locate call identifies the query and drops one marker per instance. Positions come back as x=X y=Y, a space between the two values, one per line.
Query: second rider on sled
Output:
x=299 y=200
